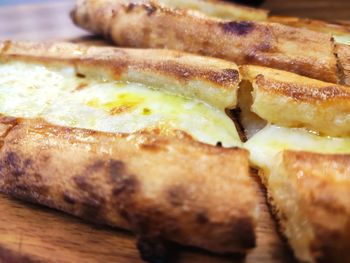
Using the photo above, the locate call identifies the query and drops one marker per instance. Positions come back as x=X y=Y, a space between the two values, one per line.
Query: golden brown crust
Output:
x=213 y=80
x=319 y=185
x=166 y=186
x=319 y=106
x=147 y=25
x=337 y=30
x=219 y=9
x=343 y=55
x=159 y=184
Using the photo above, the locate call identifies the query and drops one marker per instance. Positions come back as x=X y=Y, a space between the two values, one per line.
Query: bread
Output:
x=213 y=80
x=341 y=33
x=319 y=106
x=310 y=193
x=302 y=151
x=218 y=9
x=148 y=24
x=158 y=181
x=160 y=187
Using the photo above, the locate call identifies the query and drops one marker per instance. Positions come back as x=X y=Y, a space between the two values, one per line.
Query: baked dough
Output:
x=148 y=24
x=159 y=183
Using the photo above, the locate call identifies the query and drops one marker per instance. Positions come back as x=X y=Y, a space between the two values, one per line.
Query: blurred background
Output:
x=49 y=19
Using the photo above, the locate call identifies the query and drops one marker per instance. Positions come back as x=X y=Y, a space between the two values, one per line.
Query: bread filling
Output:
x=272 y=139
x=62 y=97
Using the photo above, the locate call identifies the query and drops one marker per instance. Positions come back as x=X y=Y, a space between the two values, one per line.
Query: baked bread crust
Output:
x=343 y=55
x=311 y=196
x=158 y=186
x=162 y=185
x=219 y=9
x=339 y=31
x=319 y=106
x=214 y=81
x=147 y=24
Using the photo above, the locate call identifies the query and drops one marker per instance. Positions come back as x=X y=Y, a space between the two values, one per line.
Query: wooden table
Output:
x=30 y=233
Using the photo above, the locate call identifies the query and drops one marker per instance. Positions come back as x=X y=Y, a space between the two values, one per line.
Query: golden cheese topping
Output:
x=62 y=98
x=272 y=139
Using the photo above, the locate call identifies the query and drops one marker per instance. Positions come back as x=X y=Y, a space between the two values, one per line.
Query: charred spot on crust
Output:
x=176 y=195
x=202 y=218
x=14 y=164
x=229 y=75
x=68 y=198
x=21 y=188
x=82 y=183
x=123 y=182
x=124 y=214
x=96 y=166
x=91 y=202
x=125 y=185
x=150 y=9
x=130 y=7
x=264 y=46
x=27 y=162
x=12 y=159
x=239 y=28
x=116 y=169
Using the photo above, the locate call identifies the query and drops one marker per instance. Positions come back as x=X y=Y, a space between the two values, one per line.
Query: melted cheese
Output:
x=62 y=98
x=271 y=140
x=342 y=39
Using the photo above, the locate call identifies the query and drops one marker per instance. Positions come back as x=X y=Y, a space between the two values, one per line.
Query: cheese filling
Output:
x=342 y=39
x=272 y=139
x=62 y=98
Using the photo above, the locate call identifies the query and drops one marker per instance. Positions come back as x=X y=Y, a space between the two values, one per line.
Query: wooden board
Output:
x=30 y=233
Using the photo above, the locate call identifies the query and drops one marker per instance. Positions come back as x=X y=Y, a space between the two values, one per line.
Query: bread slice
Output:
x=155 y=180
x=148 y=24
x=290 y=100
x=310 y=193
x=302 y=148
